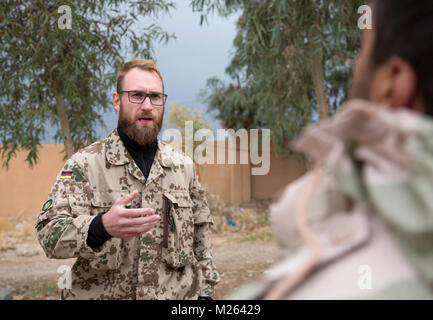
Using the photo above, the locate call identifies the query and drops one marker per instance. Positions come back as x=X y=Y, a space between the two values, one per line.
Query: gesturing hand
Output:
x=121 y=222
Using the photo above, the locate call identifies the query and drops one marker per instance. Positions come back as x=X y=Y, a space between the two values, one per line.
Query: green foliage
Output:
x=272 y=84
x=179 y=114
x=39 y=60
x=39 y=293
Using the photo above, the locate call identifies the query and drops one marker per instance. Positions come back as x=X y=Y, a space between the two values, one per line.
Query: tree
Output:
x=292 y=63
x=58 y=60
x=179 y=114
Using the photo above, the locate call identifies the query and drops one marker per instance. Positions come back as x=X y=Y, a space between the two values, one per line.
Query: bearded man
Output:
x=130 y=207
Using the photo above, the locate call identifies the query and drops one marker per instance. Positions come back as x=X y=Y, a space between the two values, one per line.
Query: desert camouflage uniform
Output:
x=360 y=225
x=174 y=262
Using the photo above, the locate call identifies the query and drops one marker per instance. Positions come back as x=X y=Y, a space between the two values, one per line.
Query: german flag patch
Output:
x=66 y=175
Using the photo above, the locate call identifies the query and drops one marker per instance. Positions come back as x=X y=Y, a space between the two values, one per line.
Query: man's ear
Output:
x=116 y=101
x=395 y=84
x=405 y=83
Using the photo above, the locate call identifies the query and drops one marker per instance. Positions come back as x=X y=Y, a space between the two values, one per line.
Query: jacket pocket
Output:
x=107 y=256
x=102 y=201
x=178 y=234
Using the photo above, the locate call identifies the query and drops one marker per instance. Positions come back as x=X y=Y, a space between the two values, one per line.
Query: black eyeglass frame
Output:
x=145 y=96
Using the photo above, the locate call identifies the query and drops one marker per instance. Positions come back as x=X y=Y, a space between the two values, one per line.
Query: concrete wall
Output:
x=282 y=172
x=235 y=183
x=232 y=182
x=23 y=190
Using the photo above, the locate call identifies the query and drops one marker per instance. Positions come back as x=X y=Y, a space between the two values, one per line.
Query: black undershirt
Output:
x=143 y=157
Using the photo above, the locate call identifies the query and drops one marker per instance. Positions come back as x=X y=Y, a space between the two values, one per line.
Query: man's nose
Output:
x=147 y=104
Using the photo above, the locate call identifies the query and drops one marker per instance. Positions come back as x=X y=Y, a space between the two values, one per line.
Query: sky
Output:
x=197 y=54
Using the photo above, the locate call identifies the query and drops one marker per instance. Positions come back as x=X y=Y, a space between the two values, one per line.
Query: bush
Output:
x=245 y=217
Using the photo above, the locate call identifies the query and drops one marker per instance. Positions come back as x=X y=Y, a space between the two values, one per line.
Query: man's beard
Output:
x=141 y=134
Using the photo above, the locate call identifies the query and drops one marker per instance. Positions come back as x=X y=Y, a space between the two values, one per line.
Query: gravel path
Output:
x=24 y=266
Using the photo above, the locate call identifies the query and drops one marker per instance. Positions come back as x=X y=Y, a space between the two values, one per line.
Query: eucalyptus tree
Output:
x=291 y=64
x=58 y=58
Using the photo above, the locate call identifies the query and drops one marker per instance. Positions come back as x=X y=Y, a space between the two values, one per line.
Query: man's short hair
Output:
x=143 y=64
x=404 y=28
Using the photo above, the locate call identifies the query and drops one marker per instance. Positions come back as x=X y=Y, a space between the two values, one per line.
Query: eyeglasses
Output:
x=138 y=97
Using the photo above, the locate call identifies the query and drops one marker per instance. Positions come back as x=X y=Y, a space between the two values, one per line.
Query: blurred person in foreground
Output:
x=130 y=207
x=360 y=224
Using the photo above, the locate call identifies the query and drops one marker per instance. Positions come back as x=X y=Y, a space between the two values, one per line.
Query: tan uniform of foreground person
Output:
x=360 y=224
x=130 y=208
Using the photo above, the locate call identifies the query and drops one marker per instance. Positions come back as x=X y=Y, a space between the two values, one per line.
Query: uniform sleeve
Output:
x=63 y=223
x=202 y=245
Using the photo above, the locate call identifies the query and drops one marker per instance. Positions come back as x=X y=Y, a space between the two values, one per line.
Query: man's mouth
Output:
x=145 y=120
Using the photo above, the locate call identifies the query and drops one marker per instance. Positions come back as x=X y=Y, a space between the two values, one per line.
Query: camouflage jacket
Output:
x=360 y=224
x=175 y=263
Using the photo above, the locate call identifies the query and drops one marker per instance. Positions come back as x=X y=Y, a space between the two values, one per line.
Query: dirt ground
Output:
x=239 y=262
x=241 y=254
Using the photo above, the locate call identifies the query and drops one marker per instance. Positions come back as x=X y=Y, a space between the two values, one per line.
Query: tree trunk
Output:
x=319 y=87
x=64 y=125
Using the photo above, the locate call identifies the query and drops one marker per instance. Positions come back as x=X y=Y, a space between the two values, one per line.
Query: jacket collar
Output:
x=117 y=154
x=115 y=150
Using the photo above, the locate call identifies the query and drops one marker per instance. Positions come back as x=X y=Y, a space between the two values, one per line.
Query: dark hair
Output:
x=405 y=28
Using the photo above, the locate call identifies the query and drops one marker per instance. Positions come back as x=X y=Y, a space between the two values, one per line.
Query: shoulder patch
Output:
x=47 y=205
x=77 y=173
x=66 y=175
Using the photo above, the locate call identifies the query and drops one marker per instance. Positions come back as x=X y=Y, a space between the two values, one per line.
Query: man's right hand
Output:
x=121 y=222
